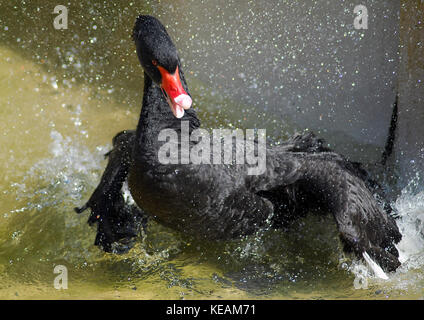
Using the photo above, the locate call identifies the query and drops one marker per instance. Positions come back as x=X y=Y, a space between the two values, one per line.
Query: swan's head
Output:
x=158 y=56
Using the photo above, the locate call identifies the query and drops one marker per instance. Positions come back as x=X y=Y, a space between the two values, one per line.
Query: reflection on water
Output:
x=63 y=97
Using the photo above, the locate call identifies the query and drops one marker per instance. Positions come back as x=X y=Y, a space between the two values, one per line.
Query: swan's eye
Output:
x=154 y=62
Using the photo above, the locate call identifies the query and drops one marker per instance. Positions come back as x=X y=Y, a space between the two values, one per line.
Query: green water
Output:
x=63 y=95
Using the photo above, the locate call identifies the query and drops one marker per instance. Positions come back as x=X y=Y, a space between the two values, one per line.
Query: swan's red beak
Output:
x=174 y=92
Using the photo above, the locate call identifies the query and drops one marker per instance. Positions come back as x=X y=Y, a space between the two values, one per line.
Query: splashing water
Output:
x=411 y=224
x=65 y=171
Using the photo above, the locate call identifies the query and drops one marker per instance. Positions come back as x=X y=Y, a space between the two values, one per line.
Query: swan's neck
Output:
x=156 y=116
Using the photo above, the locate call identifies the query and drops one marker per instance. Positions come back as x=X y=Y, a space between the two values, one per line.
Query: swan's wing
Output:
x=118 y=221
x=364 y=227
x=302 y=176
x=285 y=163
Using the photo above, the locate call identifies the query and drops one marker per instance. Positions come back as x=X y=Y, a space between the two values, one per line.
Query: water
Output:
x=63 y=97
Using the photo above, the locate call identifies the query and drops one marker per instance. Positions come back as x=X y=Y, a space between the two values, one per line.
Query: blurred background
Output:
x=283 y=66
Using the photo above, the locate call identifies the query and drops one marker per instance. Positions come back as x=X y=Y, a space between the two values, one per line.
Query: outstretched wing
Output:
x=118 y=221
x=303 y=175
x=364 y=226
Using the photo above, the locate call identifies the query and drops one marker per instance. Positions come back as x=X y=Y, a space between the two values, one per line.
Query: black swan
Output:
x=221 y=201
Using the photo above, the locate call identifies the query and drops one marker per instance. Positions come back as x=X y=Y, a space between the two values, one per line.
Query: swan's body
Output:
x=223 y=201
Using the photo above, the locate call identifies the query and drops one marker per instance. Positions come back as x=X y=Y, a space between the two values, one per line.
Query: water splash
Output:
x=411 y=224
x=62 y=176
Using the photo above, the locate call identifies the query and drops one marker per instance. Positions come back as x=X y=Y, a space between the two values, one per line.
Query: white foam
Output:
x=411 y=226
